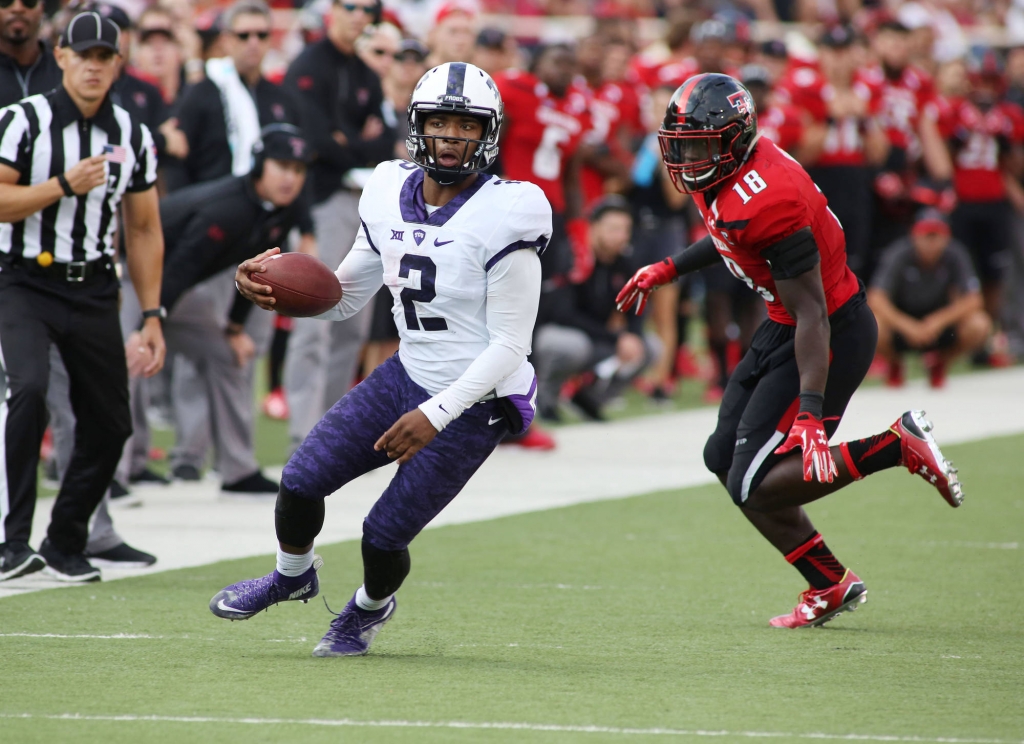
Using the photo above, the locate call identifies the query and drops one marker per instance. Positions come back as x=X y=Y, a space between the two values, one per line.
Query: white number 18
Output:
x=754 y=181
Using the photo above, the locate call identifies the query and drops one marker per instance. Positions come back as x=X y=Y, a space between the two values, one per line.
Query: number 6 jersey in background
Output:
x=438 y=263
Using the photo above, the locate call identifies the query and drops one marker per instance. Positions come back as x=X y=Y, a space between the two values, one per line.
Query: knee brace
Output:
x=298 y=520
x=383 y=570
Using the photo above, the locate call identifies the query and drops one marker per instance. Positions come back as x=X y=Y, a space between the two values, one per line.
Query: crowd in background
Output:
x=907 y=115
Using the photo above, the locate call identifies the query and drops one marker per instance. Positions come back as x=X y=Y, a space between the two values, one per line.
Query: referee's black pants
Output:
x=82 y=321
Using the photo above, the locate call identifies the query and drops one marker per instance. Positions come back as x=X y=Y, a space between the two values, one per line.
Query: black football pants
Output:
x=88 y=336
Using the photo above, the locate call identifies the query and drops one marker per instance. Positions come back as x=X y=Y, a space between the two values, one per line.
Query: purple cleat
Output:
x=243 y=600
x=354 y=629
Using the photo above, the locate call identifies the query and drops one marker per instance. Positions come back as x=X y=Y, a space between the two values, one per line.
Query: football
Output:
x=303 y=285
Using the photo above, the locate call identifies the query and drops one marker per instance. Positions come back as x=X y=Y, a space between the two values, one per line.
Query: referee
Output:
x=67 y=159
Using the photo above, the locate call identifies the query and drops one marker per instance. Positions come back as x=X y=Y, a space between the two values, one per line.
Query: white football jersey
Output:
x=435 y=262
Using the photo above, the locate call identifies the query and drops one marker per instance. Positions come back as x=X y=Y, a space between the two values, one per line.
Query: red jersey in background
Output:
x=615 y=114
x=543 y=132
x=783 y=125
x=807 y=89
x=980 y=140
x=903 y=102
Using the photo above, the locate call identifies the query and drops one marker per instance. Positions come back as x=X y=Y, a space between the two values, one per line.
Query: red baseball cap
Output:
x=929 y=221
x=454 y=6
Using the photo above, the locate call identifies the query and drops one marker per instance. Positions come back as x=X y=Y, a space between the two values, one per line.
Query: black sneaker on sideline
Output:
x=148 y=477
x=188 y=473
x=123 y=497
x=18 y=559
x=588 y=404
x=253 y=485
x=121 y=556
x=67 y=567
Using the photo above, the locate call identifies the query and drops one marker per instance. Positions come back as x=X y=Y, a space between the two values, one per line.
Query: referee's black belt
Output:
x=76 y=272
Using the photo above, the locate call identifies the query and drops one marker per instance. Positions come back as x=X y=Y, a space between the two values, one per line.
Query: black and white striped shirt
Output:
x=43 y=136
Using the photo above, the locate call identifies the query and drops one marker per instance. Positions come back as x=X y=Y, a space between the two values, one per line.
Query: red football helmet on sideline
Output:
x=709 y=127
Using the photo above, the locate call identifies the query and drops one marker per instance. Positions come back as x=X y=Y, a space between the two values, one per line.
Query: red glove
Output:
x=808 y=433
x=643 y=282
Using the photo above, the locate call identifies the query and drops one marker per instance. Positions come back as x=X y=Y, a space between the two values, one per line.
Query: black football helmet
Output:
x=710 y=126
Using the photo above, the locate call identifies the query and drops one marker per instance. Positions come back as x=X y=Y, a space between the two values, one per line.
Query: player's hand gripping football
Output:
x=643 y=282
x=808 y=433
x=407 y=436
x=250 y=290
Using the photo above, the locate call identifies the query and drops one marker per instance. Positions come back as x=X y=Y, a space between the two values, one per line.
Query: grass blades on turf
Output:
x=643 y=613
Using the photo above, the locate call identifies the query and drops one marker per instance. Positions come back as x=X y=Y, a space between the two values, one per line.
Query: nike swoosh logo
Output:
x=226 y=608
x=439 y=243
x=493 y=421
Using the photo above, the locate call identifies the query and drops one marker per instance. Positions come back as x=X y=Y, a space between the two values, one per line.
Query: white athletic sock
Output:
x=364 y=602
x=289 y=564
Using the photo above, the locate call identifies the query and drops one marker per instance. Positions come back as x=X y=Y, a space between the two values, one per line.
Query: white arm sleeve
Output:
x=361 y=274
x=513 y=291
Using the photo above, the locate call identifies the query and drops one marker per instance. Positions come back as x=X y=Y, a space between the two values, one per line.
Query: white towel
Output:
x=240 y=115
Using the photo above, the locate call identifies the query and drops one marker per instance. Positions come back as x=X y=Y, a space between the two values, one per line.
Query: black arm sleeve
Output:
x=695 y=257
x=240 y=309
x=201 y=251
x=792 y=256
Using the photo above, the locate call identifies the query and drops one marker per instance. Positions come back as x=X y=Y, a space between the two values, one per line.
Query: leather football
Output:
x=303 y=285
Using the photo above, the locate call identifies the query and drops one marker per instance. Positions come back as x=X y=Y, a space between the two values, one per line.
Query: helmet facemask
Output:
x=697 y=160
x=476 y=154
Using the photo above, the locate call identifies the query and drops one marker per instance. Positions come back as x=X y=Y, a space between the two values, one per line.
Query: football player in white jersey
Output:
x=459 y=250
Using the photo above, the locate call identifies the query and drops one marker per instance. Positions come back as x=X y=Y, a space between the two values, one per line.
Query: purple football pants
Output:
x=340 y=449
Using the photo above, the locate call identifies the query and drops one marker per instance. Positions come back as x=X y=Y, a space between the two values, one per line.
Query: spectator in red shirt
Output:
x=844 y=142
x=985 y=133
x=909 y=115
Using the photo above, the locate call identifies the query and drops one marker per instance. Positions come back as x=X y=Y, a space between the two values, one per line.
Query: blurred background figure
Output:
x=158 y=57
x=927 y=299
x=342 y=106
x=495 y=51
x=584 y=333
x=453 y=35
x=985 y=132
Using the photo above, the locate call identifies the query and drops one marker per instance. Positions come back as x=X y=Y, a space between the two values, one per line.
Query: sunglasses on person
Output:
x=26 y=4
x=353 y=7
x=244 y=35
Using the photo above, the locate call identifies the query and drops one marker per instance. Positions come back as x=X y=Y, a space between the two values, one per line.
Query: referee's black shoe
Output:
x=18 y=559
x=121 y=556
x=67 y=567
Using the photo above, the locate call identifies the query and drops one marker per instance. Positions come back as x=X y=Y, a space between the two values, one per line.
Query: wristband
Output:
x=63 y=181
x=812 y=402
x=232 y=329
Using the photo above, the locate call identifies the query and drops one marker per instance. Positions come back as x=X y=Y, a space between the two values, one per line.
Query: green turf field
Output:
x=634 y=617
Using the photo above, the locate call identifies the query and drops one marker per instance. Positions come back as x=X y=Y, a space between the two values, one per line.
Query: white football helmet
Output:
x=455 y=87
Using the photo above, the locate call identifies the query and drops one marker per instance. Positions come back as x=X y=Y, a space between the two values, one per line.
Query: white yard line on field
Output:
x=510 y=726
x=190 y=524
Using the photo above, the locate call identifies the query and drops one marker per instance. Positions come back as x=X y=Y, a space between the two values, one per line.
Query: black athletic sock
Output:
x=867 y=456
x=815 y=561
x=275 y=360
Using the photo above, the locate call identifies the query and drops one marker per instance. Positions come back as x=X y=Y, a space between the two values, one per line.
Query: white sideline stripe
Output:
x=504 y=726
x=137 y=637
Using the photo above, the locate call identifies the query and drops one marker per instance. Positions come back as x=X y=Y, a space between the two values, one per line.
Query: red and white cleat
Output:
x=921 y=455
x=275 y=405
x=818 y=606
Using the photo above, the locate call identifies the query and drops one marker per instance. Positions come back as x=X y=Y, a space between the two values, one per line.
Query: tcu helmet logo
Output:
x=742 y=102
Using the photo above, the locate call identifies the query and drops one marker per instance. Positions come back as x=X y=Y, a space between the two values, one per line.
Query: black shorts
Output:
x=986 y=229
x=762 y=397
x=382 y=327
x=946 y=340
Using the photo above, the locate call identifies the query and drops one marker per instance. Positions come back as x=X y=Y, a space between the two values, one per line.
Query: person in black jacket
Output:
x=579 y=330
x=213 y=131
x=27 y=64
x=341 y=100
x=208 y=229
